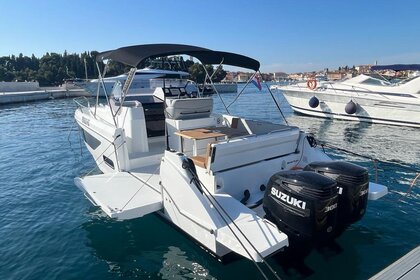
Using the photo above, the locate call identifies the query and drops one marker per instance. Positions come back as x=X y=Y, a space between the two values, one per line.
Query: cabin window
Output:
x=90 y=140
x=109 y=162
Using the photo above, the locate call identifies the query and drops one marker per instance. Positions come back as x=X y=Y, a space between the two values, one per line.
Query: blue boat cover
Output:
x=397 y=67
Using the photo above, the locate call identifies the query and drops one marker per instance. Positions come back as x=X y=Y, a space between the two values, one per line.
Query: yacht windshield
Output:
x=376 y=80
x=400 y=82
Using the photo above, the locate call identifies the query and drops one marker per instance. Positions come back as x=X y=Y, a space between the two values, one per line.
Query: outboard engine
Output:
x=302 y=204
x=352 y=182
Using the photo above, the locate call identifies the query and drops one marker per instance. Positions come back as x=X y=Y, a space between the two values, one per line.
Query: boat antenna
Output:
x=275 y=101
x=211 y=82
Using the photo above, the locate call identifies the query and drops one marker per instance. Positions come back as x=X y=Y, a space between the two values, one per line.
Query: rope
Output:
x=144 y=183
x=68 y=136
x=80 y=143
x=324 y=144
x=375 y=163
x=410 y=188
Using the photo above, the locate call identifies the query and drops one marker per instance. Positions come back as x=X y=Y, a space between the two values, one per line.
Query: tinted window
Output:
x=108 y=161
x=90 y=140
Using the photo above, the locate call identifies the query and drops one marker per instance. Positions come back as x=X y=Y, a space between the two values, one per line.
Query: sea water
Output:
x=49 y=230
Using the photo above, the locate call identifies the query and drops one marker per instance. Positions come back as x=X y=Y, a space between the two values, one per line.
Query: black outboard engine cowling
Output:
x=302 y=204
x=353 y=184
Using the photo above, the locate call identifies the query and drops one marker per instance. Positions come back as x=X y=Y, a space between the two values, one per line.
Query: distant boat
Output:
x=145 y=81
x=367 y=98
x=220 y=87
x=226 y=87
x=74 y=83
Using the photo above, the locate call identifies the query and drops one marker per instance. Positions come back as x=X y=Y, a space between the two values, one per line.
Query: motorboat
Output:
x=226 y=87
x=233 y=185
x=145 y=81
x=367 y=98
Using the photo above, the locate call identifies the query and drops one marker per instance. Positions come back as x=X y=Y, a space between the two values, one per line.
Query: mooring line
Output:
x=375 y=162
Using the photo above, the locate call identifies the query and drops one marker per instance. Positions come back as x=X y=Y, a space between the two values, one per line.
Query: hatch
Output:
x=121 y=195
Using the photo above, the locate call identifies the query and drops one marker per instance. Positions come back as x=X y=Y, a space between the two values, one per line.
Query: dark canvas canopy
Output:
x=136 y=55
x=397 y=67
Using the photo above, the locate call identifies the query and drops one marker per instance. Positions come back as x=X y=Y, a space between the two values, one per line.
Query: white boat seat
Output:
x=238 y=152
x=188 y=108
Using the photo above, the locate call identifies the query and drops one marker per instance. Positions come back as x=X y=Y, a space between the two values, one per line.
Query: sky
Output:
x=284 y=35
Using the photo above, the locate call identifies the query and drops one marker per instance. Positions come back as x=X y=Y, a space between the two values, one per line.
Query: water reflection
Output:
x=136 y=248
x=355 y=133
x=127 y=247
x=385 y=142
x=176 y=265
x=332 y=260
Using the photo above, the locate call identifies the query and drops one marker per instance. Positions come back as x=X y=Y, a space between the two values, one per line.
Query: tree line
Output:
x=53 y=68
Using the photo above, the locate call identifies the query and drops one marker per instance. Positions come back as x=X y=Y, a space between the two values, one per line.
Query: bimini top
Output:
x=397 y=67
x=136 y=55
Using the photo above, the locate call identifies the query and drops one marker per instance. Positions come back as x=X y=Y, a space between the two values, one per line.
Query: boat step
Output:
x=262 y=234
x=121 y=195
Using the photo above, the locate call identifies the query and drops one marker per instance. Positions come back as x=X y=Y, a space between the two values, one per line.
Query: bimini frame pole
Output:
x=247 y=83
x=275 y=101
x=211 y=82
x=165 y=113
x=271 y=93
x=101 y=80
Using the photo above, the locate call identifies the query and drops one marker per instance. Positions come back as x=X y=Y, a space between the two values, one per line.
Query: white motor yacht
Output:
x=145 y=81
x=233 y=185
x=368 y=98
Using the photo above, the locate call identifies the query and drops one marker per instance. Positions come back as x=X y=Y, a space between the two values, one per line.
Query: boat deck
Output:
x=405 y=268
x=125 y=195
x=149 y=174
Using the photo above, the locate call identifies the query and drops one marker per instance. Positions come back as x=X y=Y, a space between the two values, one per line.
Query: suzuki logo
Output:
x=288 y=199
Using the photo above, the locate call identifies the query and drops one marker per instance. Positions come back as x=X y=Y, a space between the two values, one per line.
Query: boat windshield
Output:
x=376 y=80
x=404 y=81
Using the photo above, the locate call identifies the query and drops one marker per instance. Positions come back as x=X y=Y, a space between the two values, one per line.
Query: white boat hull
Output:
x=210 y=175
x=226 y=88
x=332 y=106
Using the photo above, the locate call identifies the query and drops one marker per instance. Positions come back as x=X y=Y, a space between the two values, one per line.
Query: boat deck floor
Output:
x=149 y=174
x=405 y=268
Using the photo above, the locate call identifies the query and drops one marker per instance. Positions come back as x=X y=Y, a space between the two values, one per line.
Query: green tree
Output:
x=219 y=74
x=197 y=72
